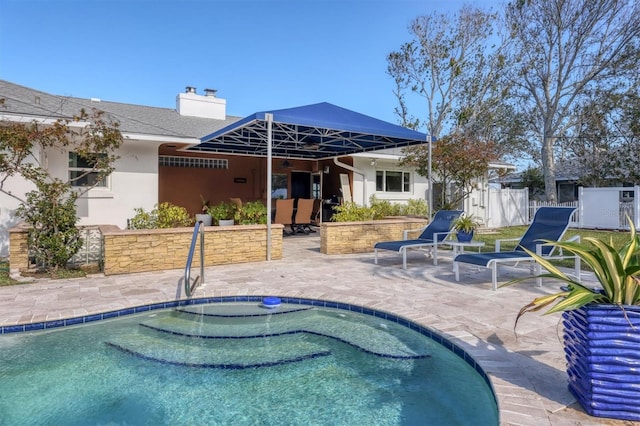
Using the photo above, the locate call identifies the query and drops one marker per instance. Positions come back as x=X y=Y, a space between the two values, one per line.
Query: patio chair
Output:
x=549 y=223
x=284 y=214
x=317 y=212
x=432 y=235
x=302 y=220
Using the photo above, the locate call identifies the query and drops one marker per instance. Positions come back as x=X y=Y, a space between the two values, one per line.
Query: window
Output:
x=279 y=184
x=391 y=181
x=81 y=170
x=193 y=162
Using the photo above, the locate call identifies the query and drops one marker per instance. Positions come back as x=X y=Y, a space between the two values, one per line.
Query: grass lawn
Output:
x=619 y=238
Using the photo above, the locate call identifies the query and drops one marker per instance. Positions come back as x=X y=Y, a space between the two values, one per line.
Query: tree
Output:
x=50 y=208
x=561 y=49
x=450 y=67
x=454 y=66
x=625 y=158
x=458 y=162
x=533 y=180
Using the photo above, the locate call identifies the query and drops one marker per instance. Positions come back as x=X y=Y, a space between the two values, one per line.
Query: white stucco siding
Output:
x=365 y=185
x=133 y=184
x=8 y=205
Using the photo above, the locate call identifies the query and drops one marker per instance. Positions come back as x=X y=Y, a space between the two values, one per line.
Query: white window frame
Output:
x=105 y=184
x=406 y=181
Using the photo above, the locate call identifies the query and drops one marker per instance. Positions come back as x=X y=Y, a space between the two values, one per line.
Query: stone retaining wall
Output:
x=360 y=237
x=159 y=249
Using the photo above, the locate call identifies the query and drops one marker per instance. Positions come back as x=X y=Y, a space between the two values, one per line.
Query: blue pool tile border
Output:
x=457 y=350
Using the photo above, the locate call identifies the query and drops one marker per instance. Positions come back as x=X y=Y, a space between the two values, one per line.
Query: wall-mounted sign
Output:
x=239 y=180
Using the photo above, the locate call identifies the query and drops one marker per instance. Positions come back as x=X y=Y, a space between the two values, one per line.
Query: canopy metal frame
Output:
x=311 y=132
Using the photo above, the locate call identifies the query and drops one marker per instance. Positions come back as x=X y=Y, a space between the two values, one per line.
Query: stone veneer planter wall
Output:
x=158 y=249
x=360 y=237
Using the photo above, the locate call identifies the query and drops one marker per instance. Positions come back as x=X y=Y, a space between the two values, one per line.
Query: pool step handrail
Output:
x=198 y=229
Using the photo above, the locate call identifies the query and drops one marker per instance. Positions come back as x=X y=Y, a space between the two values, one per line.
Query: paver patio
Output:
x=527 y=370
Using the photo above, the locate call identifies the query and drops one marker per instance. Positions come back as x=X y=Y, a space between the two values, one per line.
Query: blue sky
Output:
x=258 y=54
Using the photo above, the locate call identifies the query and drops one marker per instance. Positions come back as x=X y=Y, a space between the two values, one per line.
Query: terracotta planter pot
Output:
x=602 y=349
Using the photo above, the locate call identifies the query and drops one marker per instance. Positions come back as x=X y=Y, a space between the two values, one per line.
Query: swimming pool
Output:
x=305 y=362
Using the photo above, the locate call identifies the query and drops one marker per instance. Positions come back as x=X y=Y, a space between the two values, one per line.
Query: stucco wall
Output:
x=360 y=237
x=365 y=186
x=133 y=184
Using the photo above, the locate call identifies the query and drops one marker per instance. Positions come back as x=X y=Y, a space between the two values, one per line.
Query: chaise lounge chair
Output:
x=432 y=235
x=549 y=223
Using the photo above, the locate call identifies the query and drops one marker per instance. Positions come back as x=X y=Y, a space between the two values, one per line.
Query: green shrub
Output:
x=51 y=213
x=223 y=211
x=164 y=215
x=384 y=208
x=416 y=207
x=378 y=209
x=351 y=212
x=252 y=213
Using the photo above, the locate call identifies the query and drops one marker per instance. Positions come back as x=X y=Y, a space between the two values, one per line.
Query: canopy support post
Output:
x=430 y=206
x=269 y=118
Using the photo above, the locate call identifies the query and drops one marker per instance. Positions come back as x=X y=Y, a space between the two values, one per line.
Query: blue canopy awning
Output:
x=313 y=131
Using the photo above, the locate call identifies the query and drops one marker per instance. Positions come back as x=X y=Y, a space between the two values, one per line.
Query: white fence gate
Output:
x=507 y=207
x=607 y=208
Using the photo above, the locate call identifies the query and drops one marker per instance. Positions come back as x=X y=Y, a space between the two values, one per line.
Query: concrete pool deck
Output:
x=527 y=370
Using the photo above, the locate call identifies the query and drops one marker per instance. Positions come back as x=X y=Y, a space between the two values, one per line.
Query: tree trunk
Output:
x=549 y=170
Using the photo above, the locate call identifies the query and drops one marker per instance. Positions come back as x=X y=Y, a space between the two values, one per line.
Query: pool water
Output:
x=240 y=364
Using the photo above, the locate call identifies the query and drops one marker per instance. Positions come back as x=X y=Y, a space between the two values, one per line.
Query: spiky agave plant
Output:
x=616 y=270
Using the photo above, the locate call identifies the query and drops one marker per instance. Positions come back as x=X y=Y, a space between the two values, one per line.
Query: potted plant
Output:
x=204 y=216
x=465 y=227
x=223 y=214
x=601 y=326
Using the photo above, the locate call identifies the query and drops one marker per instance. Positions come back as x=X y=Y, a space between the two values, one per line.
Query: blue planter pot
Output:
x=602 y=351
x=464 y=237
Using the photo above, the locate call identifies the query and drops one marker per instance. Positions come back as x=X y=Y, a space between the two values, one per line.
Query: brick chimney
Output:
x=191 y=104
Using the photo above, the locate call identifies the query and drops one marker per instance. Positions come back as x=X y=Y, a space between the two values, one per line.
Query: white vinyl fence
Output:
x=596 y=208
x=507 y=207
x=574 y=221
x=607 y=208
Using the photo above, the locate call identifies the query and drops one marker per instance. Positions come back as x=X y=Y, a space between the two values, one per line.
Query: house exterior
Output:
x=153 y=165
x=147 y=132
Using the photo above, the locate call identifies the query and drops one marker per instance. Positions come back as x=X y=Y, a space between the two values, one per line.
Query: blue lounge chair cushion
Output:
x=483 y=259
x=397 y=245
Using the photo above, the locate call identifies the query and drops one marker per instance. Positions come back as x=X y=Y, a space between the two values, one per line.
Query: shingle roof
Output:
x=23 y=101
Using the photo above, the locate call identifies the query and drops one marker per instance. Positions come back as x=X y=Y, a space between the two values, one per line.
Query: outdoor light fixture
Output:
x=326 y=170
x=286 y=164
x=373 y=162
